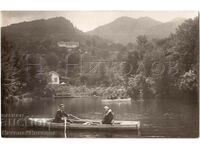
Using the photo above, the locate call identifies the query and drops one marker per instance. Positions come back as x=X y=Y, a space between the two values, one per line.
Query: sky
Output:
x=89 y=20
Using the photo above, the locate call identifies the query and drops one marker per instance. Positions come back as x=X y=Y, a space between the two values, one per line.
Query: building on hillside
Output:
x=54 y=78
x=68 y=45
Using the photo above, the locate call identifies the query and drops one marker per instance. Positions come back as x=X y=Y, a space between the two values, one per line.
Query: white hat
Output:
x=106 y=107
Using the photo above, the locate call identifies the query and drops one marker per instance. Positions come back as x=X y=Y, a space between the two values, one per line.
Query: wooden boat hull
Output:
x=85 y=125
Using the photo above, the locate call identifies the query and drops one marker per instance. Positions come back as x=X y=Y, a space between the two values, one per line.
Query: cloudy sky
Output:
x=88 y=20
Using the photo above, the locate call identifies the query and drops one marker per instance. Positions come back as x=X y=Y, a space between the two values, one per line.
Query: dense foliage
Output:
x=166 y=68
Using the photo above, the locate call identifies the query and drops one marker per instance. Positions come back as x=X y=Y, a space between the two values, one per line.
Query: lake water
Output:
x=158 y=119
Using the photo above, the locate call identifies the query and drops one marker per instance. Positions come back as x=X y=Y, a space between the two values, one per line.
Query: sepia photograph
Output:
x=99 y=74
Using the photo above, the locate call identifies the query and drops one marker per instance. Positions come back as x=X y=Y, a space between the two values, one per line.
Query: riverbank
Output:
x=113 y=92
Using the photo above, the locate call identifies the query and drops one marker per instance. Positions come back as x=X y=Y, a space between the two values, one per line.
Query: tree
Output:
x=143 y=45
x=187 y=44
x=131 y=64
x=52 y=60
x=10 y=82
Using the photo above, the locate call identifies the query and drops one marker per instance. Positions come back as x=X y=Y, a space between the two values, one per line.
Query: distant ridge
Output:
x=53 y=29
x=125 y=29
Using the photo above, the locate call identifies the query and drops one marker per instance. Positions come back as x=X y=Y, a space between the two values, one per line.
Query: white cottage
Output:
x=54 y=78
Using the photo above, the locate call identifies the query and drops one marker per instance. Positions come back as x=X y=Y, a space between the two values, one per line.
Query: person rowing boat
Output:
x=61 y=115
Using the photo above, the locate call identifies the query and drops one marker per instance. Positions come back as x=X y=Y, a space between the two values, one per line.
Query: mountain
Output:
x=125 y=29
x=57 y=28
x=43 y=32
x=163 y=30
x=27 y=35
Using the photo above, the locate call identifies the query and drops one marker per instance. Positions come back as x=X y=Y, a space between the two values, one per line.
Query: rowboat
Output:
x=85 y=125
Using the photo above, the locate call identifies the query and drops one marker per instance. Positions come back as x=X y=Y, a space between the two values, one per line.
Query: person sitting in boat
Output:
x=108 y=116
x=60 y=114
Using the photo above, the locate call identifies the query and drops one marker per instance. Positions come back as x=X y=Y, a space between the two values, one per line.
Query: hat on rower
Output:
x=106 y=107
x=61 y=105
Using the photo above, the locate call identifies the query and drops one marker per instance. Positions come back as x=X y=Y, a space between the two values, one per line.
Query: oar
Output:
x=75 y=117
x=65 y=127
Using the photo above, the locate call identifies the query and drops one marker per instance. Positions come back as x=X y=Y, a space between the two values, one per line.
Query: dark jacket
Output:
x=108 y=117
x=59 y=115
